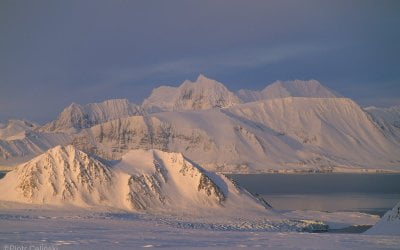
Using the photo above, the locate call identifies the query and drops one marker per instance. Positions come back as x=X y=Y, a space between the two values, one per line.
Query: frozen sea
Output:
x=297 y=196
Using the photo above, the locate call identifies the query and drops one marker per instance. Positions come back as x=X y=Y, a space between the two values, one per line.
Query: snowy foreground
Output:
x=73 y=228
x=65 y=198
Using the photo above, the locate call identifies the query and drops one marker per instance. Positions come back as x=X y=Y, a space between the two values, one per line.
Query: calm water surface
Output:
x=370 y=193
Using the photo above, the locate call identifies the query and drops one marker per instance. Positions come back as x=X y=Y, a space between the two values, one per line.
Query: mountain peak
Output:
x=143 y=180
x=294 y=88
x=202 y=78
x=61 y=174
x=296 y=84
x=204 y=93
x=298 y=88
x=76 y=117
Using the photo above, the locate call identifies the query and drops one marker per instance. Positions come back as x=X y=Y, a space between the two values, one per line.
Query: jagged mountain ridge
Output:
x=60 y=174
x=204 y=93
x=282 y=89
x=234 y=138
x=76 y=117
x=143 y=180
x=287 y=133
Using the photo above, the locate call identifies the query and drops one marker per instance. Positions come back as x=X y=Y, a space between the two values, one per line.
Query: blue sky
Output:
x=53 y=53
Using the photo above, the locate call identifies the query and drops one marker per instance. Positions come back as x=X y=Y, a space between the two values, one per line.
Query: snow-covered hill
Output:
x=389 y=224
x=76 y=117
x=288 y=133
x=388 y=119
x=282 y=89
x=16 y=129
x=62 y=174
x=204 y=93
x=143 y=180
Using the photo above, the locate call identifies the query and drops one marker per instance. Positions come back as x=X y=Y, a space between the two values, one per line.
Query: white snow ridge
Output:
x=60 y=175
x=282 y=89
x=143 y=180
x=76 y=117
x=289 y=126
x=389 y=224
x=16 y=129
x=204 y=93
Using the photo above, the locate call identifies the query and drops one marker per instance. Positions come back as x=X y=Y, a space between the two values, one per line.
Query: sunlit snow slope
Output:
x=317 y=131
x=204 y=93
x=389 y=224
x=282 y=89
x=16 y=129
x=388 y=119
x=143 y=180
x=287 y=133
x=76 y=117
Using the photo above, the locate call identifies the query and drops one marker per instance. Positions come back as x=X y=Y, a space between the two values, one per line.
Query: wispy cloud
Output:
x=223 y=61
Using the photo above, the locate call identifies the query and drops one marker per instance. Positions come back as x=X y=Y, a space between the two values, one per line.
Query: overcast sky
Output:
x=53 y=53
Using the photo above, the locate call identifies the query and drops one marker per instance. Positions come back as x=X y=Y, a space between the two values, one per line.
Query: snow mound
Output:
x=16 y=129
x=76 y=117
x=151 y=180
x=204 y=93
x=282 y=89
x=389 y=224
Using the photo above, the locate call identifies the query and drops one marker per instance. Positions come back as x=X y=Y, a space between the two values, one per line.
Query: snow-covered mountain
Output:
x=62 y=174
x=287 y=133
x=143 y=180
x=277 y=133
x=388 y=119
x=282 y=89
x=76 y=117
x=389 y=224
x=204 y=93
x=33 y=143
x=16 y=129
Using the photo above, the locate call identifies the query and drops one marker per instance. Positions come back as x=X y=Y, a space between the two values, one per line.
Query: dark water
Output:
x=370 y=193
x=2 y=174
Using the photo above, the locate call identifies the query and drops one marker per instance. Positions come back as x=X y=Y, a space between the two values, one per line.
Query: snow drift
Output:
x=389 y=224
